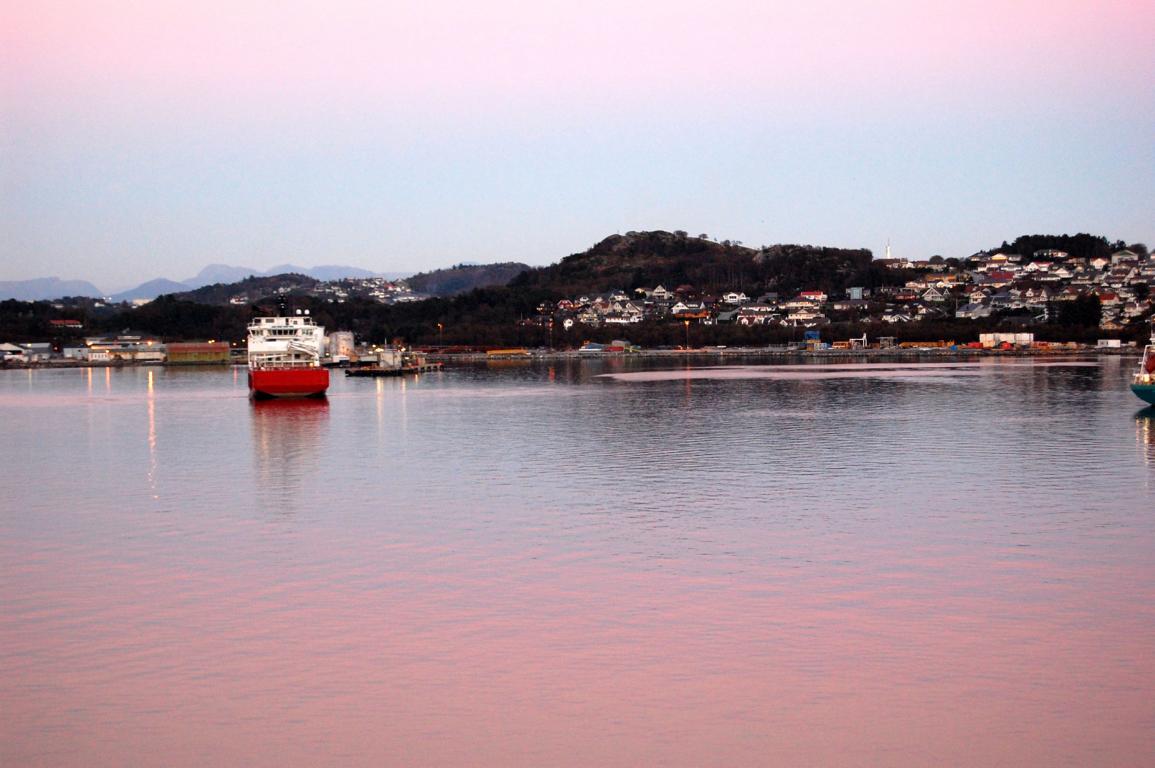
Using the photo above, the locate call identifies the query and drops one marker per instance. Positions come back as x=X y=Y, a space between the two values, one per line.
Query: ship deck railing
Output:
x=270 y=363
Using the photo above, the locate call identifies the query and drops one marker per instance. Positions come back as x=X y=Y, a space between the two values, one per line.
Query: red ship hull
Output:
x=288 y=382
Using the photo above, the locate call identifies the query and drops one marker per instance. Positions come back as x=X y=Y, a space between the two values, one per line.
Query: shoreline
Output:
x=705 y=354
x=778 y=353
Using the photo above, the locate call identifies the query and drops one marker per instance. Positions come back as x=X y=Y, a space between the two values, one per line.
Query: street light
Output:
x=687 y=324
x=440 y=335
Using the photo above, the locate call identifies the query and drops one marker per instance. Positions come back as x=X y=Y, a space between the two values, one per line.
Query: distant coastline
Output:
x=702 y=355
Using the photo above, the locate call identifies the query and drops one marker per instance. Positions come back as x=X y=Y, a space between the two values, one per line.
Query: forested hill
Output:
x=252 y=287
x=675 y=259
x=464 y=277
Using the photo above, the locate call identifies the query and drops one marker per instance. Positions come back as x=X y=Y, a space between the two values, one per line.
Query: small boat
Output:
x=284 y=355
x=1143 y=384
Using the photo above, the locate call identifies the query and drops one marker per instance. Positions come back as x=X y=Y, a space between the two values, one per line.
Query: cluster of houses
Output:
x=982 y=286
x=999 y=282
x=124 y=347
x=685 y=305
x=339 y=291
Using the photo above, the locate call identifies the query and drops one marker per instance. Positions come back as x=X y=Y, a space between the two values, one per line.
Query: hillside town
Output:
x=376 y=289
x=1104 y=295
x=1021 y=290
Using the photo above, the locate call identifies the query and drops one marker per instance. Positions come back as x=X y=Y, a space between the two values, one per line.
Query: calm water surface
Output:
x=543 y=565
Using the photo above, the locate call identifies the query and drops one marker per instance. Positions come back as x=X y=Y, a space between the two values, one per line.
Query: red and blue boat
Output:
x=1143 y=384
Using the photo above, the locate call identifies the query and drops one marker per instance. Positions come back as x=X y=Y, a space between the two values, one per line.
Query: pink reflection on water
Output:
x=220 y=632
x=836 y=371
x=402 y=653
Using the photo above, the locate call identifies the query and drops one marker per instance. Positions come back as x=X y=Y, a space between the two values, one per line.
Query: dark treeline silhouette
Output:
x=220 y=293
x=465 y=277
x=675 y=260
x=1080 y=246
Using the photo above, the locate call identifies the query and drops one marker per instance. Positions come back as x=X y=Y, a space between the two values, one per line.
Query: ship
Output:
x=284 y=355
x=1143 y=384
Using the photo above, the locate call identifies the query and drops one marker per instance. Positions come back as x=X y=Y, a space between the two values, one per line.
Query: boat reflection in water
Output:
x=288 y=439
x=1145 y=432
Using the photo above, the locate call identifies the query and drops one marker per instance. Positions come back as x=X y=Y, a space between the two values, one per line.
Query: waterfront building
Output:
x=198 y=353
x=126 y=346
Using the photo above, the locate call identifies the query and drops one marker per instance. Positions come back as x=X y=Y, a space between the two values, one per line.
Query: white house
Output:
x=734 y=298
x=12 y=352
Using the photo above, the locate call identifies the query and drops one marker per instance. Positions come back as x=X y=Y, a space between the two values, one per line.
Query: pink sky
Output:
x=369 y=53
x=148 y=139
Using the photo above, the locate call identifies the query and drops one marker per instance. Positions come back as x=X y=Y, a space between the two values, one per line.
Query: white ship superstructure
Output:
x=285 y=342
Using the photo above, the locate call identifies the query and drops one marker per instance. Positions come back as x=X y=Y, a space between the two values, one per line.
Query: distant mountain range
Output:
x=45 y=288
x=42 y=288
x=150 y=290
